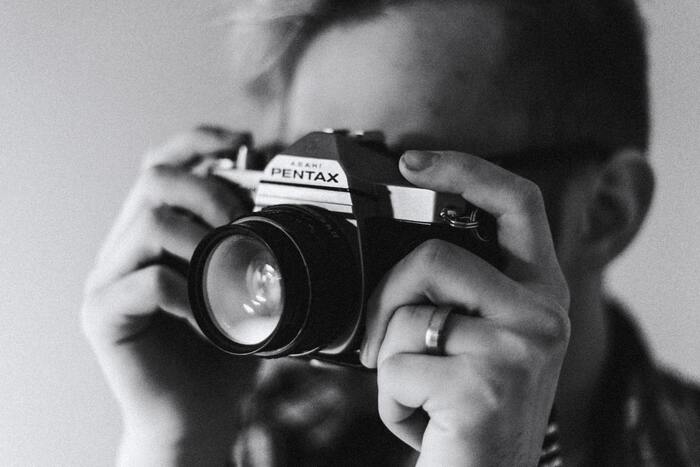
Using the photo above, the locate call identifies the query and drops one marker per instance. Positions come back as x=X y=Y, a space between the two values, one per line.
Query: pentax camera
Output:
x=332 y=214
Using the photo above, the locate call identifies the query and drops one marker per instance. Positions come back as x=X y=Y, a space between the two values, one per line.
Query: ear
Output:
x=620 y=196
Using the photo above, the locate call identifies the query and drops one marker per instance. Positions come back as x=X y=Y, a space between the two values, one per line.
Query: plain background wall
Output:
x=87 y=86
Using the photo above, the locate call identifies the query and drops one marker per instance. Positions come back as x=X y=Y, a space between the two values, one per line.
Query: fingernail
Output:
x=418 y=160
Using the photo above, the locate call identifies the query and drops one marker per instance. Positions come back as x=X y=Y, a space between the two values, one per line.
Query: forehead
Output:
x=427 y=77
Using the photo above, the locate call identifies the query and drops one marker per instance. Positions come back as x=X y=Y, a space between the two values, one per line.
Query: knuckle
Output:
x=170 y=149
x=90 y=285
x=464 y=162
x=94 y=289
x=388 y=371
x=153 y=177
x=403 y=322
x=486 y=395
x=158 y=281
x=161 y=217
x=152 y=217
x=514 y=346
x=522 y=359
x=490 y=394
x=154 y=222
x=528 y=195
x=555 y=325
x=91 y=310
x=432 y=253
x=402 y=318
x=156 y=172
x=520 y=351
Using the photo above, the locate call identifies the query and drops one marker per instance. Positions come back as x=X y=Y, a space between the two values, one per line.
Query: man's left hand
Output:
x=487 y=400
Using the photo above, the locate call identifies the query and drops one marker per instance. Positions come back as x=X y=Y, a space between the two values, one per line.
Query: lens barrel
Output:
x=283 y=281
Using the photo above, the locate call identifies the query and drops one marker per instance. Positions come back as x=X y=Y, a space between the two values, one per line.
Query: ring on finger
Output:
x=435 y=334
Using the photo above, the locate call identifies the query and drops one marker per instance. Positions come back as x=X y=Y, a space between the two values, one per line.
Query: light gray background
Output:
x=87 y=86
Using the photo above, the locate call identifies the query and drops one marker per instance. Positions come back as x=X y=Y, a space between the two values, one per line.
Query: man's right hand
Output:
x=178 y=394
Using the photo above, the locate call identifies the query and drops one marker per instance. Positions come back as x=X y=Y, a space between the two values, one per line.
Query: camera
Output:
x=332 y=214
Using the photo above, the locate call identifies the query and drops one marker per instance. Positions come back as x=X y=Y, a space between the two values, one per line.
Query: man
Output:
x=557 y=92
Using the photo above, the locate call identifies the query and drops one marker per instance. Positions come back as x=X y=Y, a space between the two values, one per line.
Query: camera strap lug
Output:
x=454 y=218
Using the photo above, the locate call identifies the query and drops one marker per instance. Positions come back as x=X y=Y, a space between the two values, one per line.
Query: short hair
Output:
x=577 y=67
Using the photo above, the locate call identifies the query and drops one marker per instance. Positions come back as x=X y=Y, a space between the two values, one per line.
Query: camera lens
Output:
x=283 y=281
x=244 y=289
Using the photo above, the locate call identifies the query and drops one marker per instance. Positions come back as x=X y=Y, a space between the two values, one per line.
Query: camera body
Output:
x=332 y=215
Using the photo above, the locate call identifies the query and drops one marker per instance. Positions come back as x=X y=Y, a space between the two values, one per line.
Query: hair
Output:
x=578 y=67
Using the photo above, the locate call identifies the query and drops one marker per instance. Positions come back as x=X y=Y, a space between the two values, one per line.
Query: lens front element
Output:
x=244 y=289
x=282 y=281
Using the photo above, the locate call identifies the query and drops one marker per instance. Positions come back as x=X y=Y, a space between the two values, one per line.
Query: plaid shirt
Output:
x=652 y=418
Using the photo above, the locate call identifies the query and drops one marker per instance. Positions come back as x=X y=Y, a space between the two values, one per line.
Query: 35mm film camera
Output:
x=332 y=215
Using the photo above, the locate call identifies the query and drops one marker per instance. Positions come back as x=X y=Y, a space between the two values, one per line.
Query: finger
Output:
x=516 y=203
x=208 y=200
x=400 y=412
x=406 y=423
x=408 y=382
x=190 y=147
x=211 y=199
x=126 y=306
x=439 y=272
x=460 y=396
x=183 y=152
x=156 y=232
x=462 y=334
